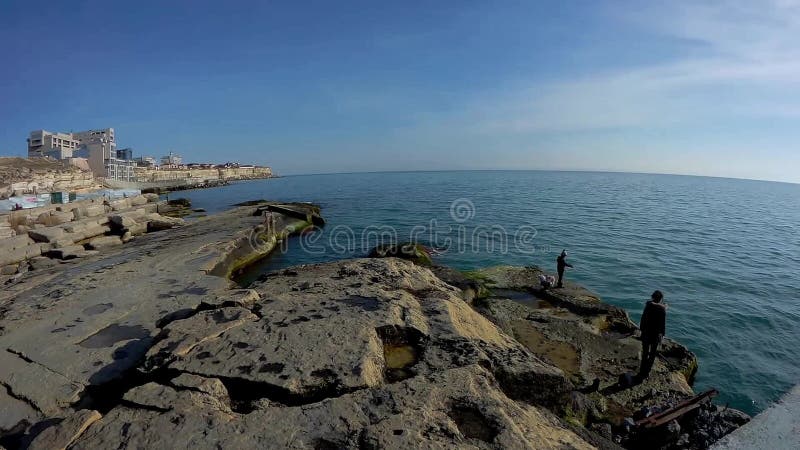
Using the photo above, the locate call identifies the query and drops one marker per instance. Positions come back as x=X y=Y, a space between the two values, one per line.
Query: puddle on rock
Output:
x=98 y=308
x=523 y=298
x=399 y=356
x=560 y=354
x=399 y=359
x=402 y=348
x=114 y=333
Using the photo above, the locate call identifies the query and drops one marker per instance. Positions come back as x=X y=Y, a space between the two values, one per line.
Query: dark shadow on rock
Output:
x=472 y=423
x=114 y=333
x=22 y=438
x=125 y=358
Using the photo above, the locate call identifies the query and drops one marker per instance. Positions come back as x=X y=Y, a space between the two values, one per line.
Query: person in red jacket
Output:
x=653 y=327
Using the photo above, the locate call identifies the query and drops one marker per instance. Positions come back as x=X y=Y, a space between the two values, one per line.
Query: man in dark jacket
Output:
x=562 y=264
x=653 y=327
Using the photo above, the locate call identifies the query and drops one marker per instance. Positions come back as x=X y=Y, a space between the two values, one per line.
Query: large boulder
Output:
x=95 y=210
x=53 y=218
x=127 y=219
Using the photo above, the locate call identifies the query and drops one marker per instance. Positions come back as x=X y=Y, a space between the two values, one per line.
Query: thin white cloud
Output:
x=744 y=60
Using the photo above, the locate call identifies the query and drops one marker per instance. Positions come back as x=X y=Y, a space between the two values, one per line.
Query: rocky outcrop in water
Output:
x=597 y=347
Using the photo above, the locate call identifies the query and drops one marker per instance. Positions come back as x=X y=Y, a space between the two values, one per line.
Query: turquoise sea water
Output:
x=725 y=252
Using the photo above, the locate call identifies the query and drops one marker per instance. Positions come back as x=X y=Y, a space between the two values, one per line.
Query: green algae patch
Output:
x=399 y=356
x=253 y=247
x=476 y=275
x=413 y=252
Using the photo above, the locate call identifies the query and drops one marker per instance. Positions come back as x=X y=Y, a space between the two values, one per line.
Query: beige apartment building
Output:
x=43 y=143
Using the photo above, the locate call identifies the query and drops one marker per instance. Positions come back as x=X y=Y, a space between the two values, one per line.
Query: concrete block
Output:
x=66 y=241
x=20 y=254
x=94 y=230
x=138 y=229
x=95 y=210
x=46 y=234
x=15 y=242
x=121 y=204
x=139 y=200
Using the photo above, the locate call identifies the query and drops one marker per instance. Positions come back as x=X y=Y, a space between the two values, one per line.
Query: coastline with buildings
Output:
x=66 y=164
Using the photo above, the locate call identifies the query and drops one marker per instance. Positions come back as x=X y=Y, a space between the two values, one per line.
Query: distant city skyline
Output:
x=684 y=87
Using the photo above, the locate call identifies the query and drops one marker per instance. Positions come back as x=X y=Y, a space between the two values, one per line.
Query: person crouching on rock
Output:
x=653 y=327
x=562 y=264
x=546 y=281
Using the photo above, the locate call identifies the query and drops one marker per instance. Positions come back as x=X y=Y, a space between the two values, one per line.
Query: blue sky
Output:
x=709 y=88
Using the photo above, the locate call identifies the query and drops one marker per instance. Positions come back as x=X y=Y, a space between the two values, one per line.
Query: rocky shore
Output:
x=150 y=345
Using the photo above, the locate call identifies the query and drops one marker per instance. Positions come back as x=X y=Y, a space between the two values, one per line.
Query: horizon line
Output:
x=542 y=170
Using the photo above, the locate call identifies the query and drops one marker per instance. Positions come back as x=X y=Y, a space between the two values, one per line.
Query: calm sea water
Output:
x=725 y=252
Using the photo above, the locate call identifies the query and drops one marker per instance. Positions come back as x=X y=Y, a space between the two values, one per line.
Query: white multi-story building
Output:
x=99 y=147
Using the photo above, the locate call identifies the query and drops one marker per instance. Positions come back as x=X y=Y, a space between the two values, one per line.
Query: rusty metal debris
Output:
x=677 y=411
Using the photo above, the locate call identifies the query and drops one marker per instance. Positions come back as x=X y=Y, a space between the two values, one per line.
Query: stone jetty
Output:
x=151 y=345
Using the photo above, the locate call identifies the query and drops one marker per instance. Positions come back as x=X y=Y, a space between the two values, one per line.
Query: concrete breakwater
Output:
x=32 y=237
x=150 y=345
x=775 y=428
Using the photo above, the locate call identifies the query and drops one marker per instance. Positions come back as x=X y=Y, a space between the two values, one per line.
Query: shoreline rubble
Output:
x=144 y=342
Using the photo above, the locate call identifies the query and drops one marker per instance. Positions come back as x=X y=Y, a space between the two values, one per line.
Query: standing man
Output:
x=653 y=327
x=562 y=264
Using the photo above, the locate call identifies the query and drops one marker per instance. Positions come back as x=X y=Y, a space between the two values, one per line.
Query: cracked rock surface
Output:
x=147 y=346
x=68 y=329
x=360 y=353
x=330 y=329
